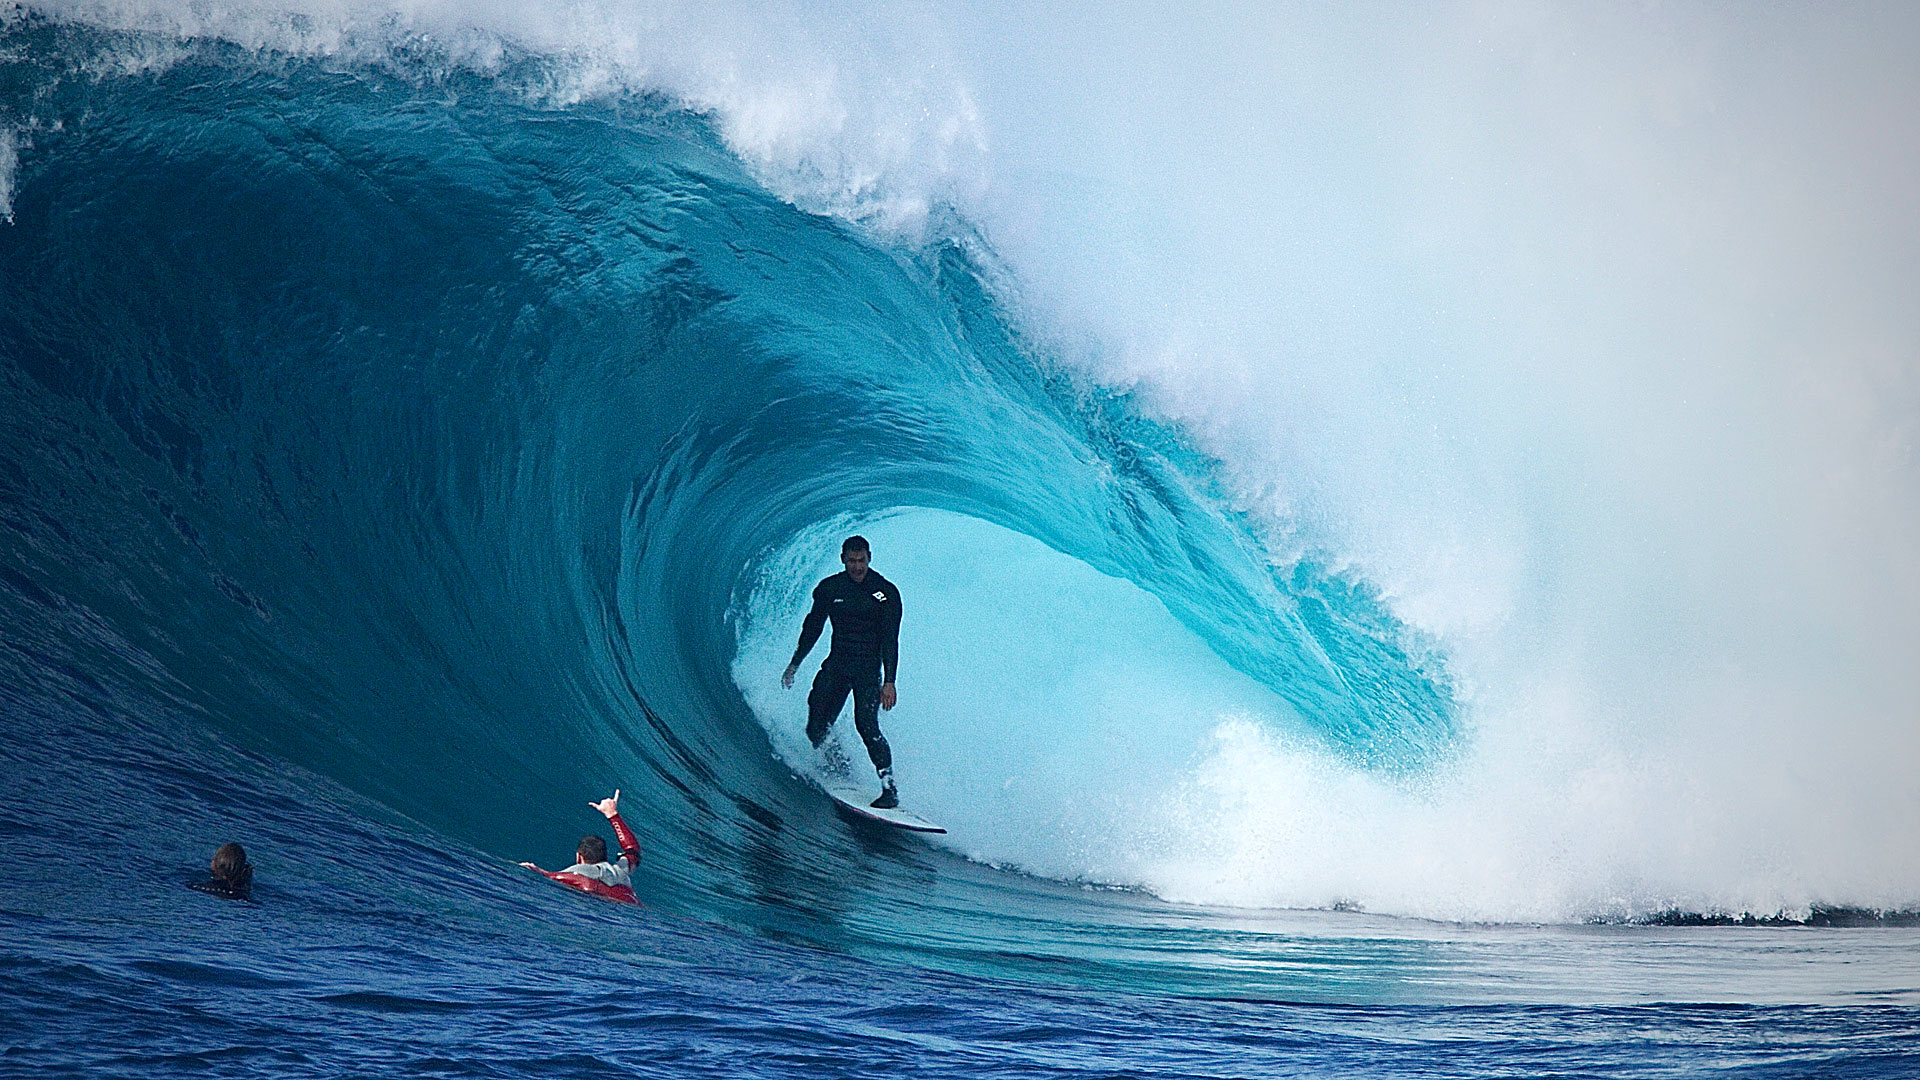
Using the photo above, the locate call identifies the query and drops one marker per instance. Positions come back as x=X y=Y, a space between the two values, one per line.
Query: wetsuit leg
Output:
x=829 y=693
x=866 y=720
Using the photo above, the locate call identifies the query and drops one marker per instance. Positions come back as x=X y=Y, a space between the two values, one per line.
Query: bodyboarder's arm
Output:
x=629 y=844
x=629 y=847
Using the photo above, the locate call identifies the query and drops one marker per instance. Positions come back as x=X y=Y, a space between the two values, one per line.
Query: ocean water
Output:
x=421 y=423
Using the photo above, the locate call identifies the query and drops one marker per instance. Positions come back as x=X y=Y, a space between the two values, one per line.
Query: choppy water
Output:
x=373 y=949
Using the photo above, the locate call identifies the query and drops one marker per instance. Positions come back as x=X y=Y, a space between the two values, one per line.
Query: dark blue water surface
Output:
x=371 y=950
x=385 y=456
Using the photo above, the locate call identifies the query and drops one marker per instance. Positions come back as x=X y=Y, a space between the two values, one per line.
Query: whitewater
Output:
x=1405 y=522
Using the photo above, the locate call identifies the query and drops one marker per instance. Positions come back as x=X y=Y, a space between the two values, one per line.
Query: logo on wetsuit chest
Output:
x=880 y=596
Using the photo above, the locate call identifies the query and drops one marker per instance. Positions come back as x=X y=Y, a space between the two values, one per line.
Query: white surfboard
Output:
x=855 y=803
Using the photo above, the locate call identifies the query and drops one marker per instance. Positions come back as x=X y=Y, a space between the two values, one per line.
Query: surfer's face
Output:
x=856 y=563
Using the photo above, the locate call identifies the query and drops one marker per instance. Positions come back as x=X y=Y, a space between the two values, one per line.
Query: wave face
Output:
x=1318 y=480
x=475 y=453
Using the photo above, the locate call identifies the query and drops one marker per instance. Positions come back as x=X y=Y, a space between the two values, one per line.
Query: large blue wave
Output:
x=413 y=432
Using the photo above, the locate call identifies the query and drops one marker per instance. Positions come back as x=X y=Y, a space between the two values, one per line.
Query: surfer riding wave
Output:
x=862 y=659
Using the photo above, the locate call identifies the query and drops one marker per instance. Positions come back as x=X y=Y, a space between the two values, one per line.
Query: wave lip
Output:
x=865 y=119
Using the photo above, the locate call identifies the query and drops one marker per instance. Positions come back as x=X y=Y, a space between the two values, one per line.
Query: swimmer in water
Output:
x=591 y=872
x=232 y=874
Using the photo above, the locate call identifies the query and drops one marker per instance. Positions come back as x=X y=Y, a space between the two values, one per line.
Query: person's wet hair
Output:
x=854 y=543
x=232 y=873
x=592 y=849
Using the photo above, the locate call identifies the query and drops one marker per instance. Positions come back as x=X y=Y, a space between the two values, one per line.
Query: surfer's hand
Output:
x=529 y=866
x=888 y=696
x=609 y=806
x=786 y=677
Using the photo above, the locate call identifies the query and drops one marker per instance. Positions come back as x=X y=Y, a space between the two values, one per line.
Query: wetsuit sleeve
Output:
x=815 y=622
x=890 y=637
x=629 y=844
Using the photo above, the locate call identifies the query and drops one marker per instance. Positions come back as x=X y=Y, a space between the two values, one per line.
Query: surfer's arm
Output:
x=810 y=629
x=890 y=638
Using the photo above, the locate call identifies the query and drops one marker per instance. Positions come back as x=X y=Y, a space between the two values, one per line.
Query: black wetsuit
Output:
x=866 y=643
x=225 y=890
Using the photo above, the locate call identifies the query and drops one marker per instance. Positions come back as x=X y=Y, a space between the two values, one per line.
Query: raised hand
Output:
x=786 y=677
x=608 y=806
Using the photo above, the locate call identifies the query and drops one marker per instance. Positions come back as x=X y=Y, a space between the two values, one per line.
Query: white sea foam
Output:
x=855 y=112
x=9 y=161
x=1063 y=721
x=1047 y=709
x=1587 y=334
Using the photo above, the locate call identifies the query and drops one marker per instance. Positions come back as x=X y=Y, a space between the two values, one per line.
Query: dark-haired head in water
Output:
x=232 y=874
x=592 y=849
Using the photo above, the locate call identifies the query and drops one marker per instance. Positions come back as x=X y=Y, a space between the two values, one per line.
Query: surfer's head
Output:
x=592 y=849
x=232 y=870
x=855 y=555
